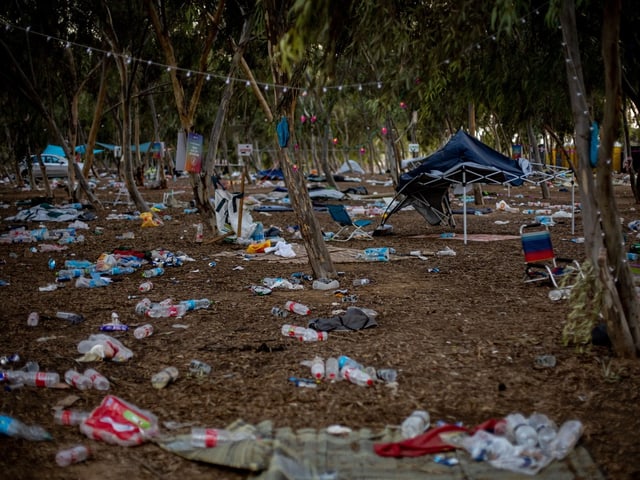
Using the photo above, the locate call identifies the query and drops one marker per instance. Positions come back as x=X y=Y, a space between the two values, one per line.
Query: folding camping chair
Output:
x=541 y=264
x=349 y=228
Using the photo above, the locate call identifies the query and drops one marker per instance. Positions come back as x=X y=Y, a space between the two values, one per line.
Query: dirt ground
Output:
x=464 y=340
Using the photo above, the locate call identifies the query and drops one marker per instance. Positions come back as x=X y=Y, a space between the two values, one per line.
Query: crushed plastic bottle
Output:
x=415 y=424
x=164 y=377
x=70 y=417
x=166 y=311
x=154 y=272
x=303 y=333
x=71 y=317
x=33 y=319
x=566 y=439
x=519 y=431
x=143 y=331
x=75 y=454
x=196 y=304
x=212 y=437
x=78 y=380
x=34 y=379
x=356 y=376
x=296 y=307
x=98 y=381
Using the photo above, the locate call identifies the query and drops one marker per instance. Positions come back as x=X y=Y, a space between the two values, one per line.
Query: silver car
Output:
x=55 y=166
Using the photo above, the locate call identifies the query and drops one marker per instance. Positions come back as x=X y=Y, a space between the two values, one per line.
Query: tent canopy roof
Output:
x=465 y=159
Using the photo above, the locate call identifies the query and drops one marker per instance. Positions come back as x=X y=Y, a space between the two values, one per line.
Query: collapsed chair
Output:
x=541 y=264
x=349 y=228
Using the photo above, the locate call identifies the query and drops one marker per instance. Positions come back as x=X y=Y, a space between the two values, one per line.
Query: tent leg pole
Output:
x=464 y=205
x=573 y=208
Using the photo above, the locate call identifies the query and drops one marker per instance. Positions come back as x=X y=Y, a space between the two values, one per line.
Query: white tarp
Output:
x=351 y=166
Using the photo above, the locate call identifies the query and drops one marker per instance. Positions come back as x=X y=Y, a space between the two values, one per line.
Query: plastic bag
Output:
x=147 y=220
x=103 y=347
x=120 y=422
x=259 y=247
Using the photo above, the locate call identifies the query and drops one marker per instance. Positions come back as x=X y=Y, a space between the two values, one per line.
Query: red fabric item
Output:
x=427 y=443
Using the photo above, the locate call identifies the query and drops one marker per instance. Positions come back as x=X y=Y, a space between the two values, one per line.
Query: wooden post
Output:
x=239 y=230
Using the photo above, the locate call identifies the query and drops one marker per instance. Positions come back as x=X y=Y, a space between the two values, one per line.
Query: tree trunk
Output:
x=617 y=319
x=599 y=211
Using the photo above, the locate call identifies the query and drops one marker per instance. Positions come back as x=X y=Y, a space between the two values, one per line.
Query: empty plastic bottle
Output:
x=279 y=312
x=304 y=334
x=84 y=264
x=566 y=439
x=415 y=424
x=76 y=454
x=361 y=281
x=212 y=437
x=73 y=318
x=296 y=307
x=331 y=370
x=387 y=375
x=68 y=274
x=36 y=379
x=166 y=311
x=356 y=376
x=12 y=427
x=145 y=287
x=196 y=304
x=99 y=381
x=70 y=417
x=317 y=368
x=344 y=361
x=143 y=331
x=76 y=379
x=97 y=282
x=164 y=377
x=154 y=272
x=519 y=430
x=118 y=270
x=33 y=319
x=545 y=428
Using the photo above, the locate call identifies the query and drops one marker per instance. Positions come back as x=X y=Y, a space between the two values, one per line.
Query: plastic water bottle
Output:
x=212 y=437
x=166 y=311
x=415 y=424
x=86 y=282
x=154 y=272
x=196 y=304
x=164 y=377
x=68 y=274
x=296 y=307
x=361 y=281
x=76 y=454
x=545 y=428
x=145 y=287
x=331 y=370
x=199 y=233
x=387 y=375
x=143 y=331
x=76 y=379
x=36 y=379
x=356 y=376
x=84 y=264
x=304 y=334
x=33 y=319
x=317 y=368
x=73 y=318
x=70 y=417
x=519 y=430
x=566 y=439
x=120 y=270
x=99 y=381
x=12 y=427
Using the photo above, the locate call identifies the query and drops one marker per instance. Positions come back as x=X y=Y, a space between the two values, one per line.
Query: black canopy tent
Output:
x=463 y=160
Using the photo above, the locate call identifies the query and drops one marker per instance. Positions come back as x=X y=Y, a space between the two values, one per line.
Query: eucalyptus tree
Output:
x=614 y=297
x=39 y=37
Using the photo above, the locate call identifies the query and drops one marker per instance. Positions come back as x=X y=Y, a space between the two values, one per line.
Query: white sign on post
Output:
x=245 y=149
x=414 y=147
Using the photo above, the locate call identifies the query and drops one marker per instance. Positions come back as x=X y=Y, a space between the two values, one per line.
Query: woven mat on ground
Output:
x=310 y=454
x=338 y=255
x=474 y=237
